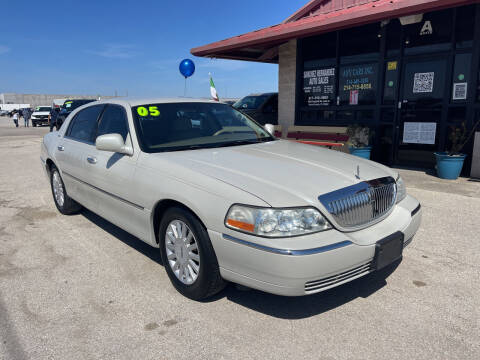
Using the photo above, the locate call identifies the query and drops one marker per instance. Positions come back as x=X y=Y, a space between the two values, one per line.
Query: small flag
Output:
x=213 y=91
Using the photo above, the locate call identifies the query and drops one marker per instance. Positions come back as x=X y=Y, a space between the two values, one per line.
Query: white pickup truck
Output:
x=40 y=115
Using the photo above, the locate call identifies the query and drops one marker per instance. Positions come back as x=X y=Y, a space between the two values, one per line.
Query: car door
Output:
x=111 y=174
x=72 y=152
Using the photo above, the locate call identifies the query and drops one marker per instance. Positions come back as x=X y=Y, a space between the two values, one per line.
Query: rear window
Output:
x=71 y=105
x=251 y=102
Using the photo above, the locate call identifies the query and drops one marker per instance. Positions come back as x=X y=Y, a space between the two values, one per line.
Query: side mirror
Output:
x=113 y=143
x=270 y=128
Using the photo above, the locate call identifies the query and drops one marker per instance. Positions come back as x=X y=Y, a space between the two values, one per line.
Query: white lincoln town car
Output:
x=224 y=200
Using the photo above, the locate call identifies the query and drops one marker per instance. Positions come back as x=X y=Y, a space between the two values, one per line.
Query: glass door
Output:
x=420 y=109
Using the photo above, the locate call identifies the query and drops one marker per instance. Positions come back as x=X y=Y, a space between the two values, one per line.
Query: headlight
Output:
x=401 y=190
x=272 y=222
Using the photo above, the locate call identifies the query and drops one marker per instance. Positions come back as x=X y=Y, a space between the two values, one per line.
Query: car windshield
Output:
x=251 y=102
x=187 y=126
x=42 y=108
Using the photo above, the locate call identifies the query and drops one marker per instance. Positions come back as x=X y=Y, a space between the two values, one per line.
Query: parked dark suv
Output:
x=68 y=106
x=261 y=107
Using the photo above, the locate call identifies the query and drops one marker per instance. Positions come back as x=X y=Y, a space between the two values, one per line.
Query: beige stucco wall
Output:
x=287 y=66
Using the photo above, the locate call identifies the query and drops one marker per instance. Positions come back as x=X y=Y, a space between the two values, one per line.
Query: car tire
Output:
x=34 y=124
x=208 y=280
x=65 y=204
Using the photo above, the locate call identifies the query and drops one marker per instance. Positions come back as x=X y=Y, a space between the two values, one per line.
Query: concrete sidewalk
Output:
x=78 y=287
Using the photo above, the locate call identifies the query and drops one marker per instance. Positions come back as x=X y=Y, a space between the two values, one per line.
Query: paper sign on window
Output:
x=353 y=97
x=460 y=91
x=423 y=82
x=419 y=133
x=392 y=65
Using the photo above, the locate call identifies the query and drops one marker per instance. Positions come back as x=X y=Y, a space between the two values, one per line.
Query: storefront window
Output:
x=388 y=115
x=478 y=86
x=360 y=44
x=384 y=153
x=424 y=81
x=461 y=77
x=346 y=116
x=320 y=50
x=358 y=84
x=394 y=36
x=391 y=82
x=433 y=33
x=457 y=114
x=312 y=118
x=464 y=26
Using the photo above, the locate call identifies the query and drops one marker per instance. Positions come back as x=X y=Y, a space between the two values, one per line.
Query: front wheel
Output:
x=64 y=203
x=188 y=255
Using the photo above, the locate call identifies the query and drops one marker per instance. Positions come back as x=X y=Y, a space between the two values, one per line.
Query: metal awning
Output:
x=317 y=17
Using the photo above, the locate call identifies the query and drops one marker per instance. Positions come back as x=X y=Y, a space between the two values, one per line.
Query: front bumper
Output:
x=313 y=263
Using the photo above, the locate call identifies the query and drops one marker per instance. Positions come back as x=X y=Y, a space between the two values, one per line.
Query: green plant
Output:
x=459 y=137
x=359 y=135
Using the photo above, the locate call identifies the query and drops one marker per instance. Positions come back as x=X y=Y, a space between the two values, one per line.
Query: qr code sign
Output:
x=460 y=91
x=423 y=82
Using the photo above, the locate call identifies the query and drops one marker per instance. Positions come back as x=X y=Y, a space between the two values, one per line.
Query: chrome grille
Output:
x=331 y=281
x=362 y=203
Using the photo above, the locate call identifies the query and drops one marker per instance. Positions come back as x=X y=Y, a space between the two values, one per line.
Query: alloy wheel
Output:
x=57 y=186
x=182 y=252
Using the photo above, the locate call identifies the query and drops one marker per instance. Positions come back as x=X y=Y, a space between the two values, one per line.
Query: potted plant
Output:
x=450 y=162
x=358 y=140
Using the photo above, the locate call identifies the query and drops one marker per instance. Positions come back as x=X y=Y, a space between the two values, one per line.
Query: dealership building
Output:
x=407 y=69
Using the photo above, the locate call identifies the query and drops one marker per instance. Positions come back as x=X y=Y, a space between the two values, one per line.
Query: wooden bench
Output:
x=329 y=136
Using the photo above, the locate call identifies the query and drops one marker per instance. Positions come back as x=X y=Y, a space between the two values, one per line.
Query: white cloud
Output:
x=118 y=51
x=4 y=49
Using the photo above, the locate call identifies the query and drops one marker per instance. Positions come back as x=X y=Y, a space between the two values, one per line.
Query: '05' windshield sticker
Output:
x=151 y=110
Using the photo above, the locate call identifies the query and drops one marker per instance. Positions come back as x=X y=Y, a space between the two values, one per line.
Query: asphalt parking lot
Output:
x=78 y=287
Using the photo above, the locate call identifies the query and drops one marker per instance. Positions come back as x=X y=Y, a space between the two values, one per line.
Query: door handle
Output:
x=92 y=160
x=61 y=148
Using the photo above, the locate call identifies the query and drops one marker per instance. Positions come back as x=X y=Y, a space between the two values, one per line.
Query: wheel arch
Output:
x=48 y=165
x=161 y=207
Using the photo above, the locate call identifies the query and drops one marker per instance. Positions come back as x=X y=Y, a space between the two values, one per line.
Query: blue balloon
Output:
x=187 y=68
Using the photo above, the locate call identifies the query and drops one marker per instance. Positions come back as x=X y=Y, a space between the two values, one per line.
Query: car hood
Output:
x=36 y=113
x=282 y=173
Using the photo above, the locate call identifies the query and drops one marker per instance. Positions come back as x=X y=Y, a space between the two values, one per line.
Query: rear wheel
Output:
x=65 y=204
x=188 y=255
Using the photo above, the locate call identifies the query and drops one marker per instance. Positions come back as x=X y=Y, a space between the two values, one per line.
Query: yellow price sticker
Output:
x=152 y=111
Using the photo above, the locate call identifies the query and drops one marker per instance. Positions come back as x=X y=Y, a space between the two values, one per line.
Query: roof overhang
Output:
x=262 y=45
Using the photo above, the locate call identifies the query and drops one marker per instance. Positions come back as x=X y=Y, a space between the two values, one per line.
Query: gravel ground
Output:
x=78 y=287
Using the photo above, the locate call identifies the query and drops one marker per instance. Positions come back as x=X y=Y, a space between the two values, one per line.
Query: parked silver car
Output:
x=224 y=200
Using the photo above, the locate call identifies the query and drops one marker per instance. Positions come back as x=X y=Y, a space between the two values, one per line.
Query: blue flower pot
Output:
x=449 y=167
x=363 y=152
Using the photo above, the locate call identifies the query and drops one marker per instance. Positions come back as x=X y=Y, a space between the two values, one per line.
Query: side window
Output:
x=84 y=125
x=113 y=121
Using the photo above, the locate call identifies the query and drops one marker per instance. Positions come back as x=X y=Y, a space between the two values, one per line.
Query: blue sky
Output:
x=97 y=47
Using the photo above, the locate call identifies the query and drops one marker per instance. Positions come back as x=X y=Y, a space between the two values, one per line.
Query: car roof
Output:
x=263 y=94
x=142 y=101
